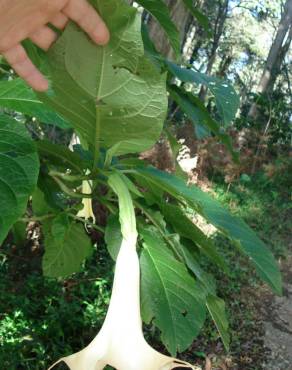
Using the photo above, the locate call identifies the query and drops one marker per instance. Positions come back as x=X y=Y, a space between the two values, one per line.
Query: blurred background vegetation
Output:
x=248 y=43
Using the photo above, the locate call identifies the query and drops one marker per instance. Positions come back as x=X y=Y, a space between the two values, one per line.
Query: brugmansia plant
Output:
x=114 y=98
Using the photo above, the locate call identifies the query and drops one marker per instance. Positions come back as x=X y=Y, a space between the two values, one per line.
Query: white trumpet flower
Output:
x=86 y=212
x=120 y=342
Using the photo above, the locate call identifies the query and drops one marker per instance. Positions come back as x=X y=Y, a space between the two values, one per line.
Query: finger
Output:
x=22 y=65
x=43 y=37
x=59 y=21
x=81 y=12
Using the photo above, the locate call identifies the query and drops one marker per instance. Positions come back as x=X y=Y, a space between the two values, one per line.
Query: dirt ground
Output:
x=277 y=313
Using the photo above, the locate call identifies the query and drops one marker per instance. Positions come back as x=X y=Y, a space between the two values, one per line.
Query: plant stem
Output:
x=86 y=222
x=66 y=177
x=96 y=142
x=68 y=191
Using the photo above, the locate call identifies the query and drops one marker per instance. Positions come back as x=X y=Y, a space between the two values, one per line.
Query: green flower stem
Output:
x=69 y=178
x=86 y=222
x=68 y=191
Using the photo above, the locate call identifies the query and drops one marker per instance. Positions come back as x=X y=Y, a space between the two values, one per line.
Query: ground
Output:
x=277 y=313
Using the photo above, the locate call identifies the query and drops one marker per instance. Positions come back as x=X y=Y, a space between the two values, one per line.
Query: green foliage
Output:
x=227 y=101
x=226 y=98
x=216 y=307
x=43 y=318
x=213 y=212
x=115 y=98
x=170 y=295
x=19 y=167
x=16 y=96
x=199 y=115
x=160 y=11
x=200 y=17
x=66 y=245
x=187 y=229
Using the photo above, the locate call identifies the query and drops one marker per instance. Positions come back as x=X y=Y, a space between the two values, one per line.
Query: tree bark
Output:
x=278 y=51
x=180 y=16
x=218 y=32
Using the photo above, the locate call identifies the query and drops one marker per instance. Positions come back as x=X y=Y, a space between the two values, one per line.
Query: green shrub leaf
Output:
x=200 y=17
x=227 y=100
x=160 y=11
x=232 y=226
x=66 y=247
x=61 y=156
x=216 y=307
x=195 y=110
x=18 y=96
x=170 y=296
x=19 y=168
x=110 y=94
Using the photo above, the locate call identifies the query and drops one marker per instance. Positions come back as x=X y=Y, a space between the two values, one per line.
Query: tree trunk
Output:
x=218 y=32
x=181 y=17
x=276 y=55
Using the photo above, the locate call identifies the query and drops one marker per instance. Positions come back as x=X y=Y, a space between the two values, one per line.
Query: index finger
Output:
x=81 y=12
x=22 y=65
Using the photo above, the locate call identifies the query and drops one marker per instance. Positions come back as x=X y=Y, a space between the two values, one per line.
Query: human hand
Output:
x=22 y=19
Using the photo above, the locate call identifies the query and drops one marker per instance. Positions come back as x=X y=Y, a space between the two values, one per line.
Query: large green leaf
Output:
x=19 y=168
x=227 y=100
x=161 y=12
x=39 y=205
x=233 y=227
x=19 y=97
x=110 y=94
x=66 y=247
x=216 y=307
x=170 y=296
x=61 y=156
x=214 y=304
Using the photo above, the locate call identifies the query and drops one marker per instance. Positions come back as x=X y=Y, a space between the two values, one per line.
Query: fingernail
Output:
x=101 y=36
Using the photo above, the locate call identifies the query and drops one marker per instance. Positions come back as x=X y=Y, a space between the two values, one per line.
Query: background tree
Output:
x=277 y=53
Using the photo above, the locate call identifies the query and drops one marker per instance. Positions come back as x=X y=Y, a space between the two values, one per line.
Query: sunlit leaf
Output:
x=227 y=100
